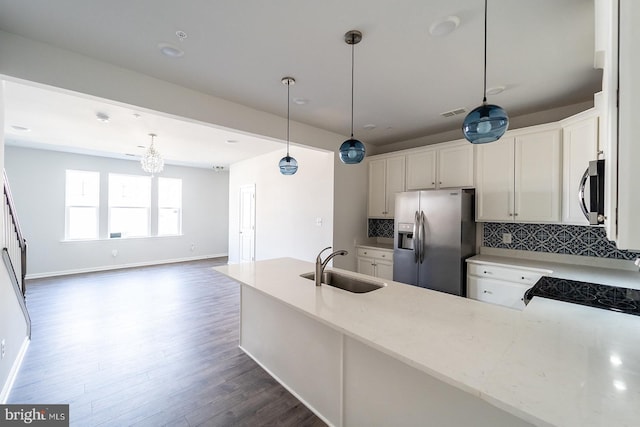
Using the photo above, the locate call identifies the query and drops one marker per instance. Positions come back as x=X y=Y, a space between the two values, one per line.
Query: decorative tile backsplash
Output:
x=555 y=238
x=381 y=228
x=552 y=238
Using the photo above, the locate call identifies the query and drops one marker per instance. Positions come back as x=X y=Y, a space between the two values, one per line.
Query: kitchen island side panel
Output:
x=301 y=353
x=380 y=390
x=348 y=383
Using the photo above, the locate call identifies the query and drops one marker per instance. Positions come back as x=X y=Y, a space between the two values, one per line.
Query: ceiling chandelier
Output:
x=352 y=150
x=288 y=165
x=488 y=122
x=152 y=161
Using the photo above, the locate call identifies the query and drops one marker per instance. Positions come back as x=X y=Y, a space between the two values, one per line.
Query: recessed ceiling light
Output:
x=444 y=26
x=102 y=117
x=136 y=116
x=369 y=126
x=170 y=50
x=496 y=90
x=301 y=101
x=20 y=128
x=232 y=141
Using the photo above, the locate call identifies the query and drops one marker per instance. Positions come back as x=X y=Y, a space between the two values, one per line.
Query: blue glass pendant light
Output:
x=288 y=165
x=352 y=150
x=488 y=122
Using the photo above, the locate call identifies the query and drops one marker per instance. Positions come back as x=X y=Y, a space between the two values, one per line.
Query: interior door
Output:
x=247 y=245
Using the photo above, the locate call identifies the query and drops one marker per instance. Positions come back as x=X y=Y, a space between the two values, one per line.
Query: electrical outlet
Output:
x=193 y=247
x=3 y=349
x=506 y=238
x=114 y=253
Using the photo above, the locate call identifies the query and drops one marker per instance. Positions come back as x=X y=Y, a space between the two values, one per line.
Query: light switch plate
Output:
x=506 y=238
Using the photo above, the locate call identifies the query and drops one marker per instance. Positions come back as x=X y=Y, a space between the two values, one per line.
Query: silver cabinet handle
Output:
x=487 y=292
x=487 y=272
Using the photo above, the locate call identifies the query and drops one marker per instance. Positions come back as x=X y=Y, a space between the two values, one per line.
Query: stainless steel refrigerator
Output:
x=434 y=232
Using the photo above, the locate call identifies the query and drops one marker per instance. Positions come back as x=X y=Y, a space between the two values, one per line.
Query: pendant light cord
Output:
x=484 y=99
x=288 y=86
x=353 y=39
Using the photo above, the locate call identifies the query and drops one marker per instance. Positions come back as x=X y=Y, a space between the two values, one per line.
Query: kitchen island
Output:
x=402 y=355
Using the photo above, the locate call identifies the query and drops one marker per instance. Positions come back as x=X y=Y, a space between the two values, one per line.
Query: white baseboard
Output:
x=120 y=266
x=6 y=389
x=290 y=390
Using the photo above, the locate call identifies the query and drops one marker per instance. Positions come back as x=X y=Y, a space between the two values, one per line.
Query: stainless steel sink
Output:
x=348 y=283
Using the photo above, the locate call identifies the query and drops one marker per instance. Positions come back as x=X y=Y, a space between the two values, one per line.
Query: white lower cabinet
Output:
x=501 y=285
x=376 y=262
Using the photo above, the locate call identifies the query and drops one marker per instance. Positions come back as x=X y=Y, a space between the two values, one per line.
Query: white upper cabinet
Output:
x=537 y=177
x=421 y=170
x=445 y=166
x=455 y=165
x=495 y=180
x=618 y=37
x=518 y=178
x=579 y=147
x=386 y=178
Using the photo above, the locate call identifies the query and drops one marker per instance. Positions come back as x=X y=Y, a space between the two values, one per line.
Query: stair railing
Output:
x=16 y=245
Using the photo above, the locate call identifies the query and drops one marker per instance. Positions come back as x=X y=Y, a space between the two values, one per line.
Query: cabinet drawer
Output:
x=496 y=292
x=375 y=253
x=516 y=275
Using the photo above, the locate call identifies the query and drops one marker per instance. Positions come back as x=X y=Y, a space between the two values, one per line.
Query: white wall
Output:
x=13 y=326
x=287 y=207
x=26 y=60
x=37 y=179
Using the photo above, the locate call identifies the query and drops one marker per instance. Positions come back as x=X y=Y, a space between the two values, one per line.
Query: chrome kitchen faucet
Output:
x=320 y=265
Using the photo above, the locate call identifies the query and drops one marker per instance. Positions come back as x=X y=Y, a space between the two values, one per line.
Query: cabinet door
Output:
x=394 y=183
x=365 y=266
x=579 y=147
x=494 y=180
x=537 y=177
x=421 y=170
x=455 y=166
x=377 y=182
x=384 y=270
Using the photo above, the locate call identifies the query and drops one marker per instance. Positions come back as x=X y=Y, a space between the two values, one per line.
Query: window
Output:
x=82 y=199
x=169 y=206
x=129 y=205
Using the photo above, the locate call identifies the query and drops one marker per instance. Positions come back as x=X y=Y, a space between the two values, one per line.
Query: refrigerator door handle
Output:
x=423 y=237
x=416 y=237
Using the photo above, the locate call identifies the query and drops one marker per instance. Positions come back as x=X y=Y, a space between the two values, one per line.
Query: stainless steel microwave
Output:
x=593 y=208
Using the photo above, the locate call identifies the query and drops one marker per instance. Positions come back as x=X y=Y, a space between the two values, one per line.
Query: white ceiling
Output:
x=541 y=51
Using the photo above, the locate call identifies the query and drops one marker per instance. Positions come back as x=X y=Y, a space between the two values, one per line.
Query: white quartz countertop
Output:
x=552 y=364
x=379 y=246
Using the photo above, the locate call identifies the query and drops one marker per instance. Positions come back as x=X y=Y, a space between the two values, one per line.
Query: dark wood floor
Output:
x=149 y=346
